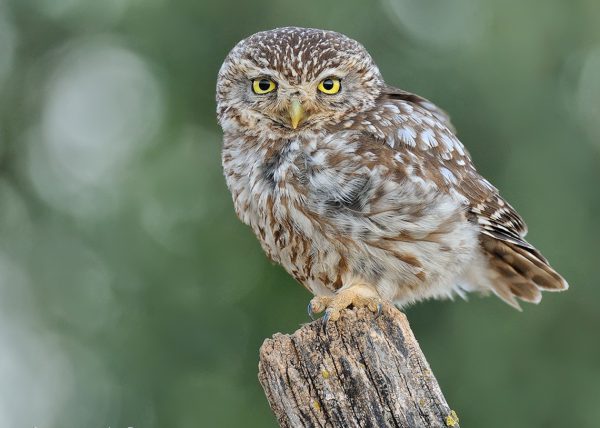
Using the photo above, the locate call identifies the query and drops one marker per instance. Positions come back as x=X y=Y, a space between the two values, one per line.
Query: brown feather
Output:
x=520 y=271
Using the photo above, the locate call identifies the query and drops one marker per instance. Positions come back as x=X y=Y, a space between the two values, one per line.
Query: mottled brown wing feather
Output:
x=519 y=268
x=495 y=216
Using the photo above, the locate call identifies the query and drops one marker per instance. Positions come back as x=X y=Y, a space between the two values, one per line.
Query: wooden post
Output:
x=358 y=372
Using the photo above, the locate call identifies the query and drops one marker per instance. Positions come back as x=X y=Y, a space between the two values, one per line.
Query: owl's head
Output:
x=289 y=80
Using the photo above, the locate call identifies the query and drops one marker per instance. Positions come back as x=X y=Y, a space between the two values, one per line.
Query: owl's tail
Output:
x=519 y=271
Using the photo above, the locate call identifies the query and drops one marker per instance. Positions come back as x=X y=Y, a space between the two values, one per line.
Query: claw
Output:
x=325 y=319
x=310 y=311
x=379 y=310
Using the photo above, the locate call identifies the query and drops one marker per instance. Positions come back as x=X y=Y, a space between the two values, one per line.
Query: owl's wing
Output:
x=423 y=137
x=425 y=130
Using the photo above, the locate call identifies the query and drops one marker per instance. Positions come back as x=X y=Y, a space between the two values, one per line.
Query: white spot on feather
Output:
x=392 y=108
x=407 y=136
x=428 y=138
x=497 y=215
x=448 y=142
x=449 y=177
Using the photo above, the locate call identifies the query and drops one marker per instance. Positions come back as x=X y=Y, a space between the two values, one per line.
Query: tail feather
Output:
x=520 y=272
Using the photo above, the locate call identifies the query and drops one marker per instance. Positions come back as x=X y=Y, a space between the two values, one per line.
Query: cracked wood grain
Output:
x=358 y=372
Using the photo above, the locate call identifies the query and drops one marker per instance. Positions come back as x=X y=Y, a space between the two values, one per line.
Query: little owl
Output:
x=360 y=190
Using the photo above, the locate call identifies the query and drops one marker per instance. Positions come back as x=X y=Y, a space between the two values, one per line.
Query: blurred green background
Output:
x=130 y=295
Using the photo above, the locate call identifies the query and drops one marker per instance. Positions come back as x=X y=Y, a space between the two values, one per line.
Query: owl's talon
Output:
x=379 y=310
x=310 y=311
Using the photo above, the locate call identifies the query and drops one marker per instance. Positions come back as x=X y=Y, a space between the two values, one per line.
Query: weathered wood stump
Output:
x=358 y=372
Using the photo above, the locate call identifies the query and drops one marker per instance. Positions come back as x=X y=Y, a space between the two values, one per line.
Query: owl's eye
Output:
x=330 y=86
x=263 y=86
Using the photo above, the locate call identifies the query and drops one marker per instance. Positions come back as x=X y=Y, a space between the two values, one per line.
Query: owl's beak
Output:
x=296 y=112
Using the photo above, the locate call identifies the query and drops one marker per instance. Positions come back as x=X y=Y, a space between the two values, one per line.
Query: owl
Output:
x=360 y=190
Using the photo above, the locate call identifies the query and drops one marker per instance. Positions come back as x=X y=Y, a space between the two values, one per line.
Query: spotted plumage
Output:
x=362 y=191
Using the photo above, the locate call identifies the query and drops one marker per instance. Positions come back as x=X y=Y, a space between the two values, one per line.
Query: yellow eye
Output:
x=263 y=86
x=330 y=86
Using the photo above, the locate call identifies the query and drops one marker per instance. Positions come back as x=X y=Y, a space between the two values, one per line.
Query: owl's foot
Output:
x=357 y=296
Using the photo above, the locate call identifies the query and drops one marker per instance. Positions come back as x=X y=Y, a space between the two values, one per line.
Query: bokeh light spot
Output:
x=103 y=107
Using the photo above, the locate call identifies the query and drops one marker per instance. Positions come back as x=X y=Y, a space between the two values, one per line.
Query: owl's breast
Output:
x=263 y=179
x=273 y=193
x=336 y=210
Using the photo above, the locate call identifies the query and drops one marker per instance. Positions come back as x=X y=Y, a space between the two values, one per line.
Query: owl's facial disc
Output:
x=292 y=79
